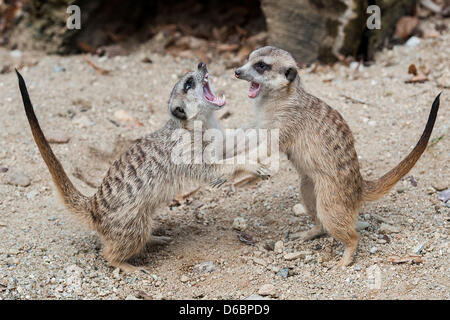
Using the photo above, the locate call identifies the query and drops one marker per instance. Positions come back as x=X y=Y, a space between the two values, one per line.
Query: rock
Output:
x=294 y=255
x=13 y=251
x=57 y=137
x=299 y=209
x=57 y=68
x=418 y=249
x=400 y=189
x=204 y=267
x=3 y=169
x=256 y=297
x=240 y=224
x=387 y=228
x=361 y=225
x=413 y=41
x=382 y=219
x=267 y=290
x=444 y=196
x=83 y=122
x=269 y=245
x=32 y=194
x=373 y=250
x=184 y=278
x=260 y=261
x=295 y=235
x=16 y=54
x=16 y=178
x=279 y=245
x=283 y=273
x=116 y=273
x=444 y=81
x=439 y=185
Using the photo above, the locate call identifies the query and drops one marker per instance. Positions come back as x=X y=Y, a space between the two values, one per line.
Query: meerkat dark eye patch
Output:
x=179 y=113
x=261 y=66
x=290 y=74
x=190 y=83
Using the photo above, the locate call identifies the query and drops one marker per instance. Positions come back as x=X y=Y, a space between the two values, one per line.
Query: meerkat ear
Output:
x=291 y=74
x=179 y=113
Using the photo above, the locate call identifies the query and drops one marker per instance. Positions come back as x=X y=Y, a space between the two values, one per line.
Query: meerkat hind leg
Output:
x=340 y=224
x=309 y=200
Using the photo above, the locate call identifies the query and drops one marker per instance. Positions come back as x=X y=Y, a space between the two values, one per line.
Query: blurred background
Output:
x=312 y=30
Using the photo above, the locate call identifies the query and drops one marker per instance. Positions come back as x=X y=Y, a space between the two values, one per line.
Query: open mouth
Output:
x=209 y=95
x=253 y=90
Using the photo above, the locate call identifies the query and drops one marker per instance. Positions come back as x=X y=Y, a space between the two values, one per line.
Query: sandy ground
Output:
x=45 y=253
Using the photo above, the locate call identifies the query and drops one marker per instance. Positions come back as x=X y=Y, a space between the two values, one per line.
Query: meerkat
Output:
x=320 y=145
x=143 y=177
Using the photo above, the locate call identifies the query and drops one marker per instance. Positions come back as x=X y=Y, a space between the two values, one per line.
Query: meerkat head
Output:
x=192 y=97
x=269 y=70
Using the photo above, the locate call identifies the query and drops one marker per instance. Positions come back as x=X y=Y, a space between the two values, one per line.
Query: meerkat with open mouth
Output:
x=320 y=145
x=145 y=176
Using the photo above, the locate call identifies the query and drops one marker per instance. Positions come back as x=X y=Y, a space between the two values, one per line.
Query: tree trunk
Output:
x=325 y=29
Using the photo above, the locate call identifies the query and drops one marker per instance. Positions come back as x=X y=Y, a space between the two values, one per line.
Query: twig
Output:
x=97 y=69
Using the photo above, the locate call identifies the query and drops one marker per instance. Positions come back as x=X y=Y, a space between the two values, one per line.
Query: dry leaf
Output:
x=411 y=258
x=412 y=69
x=181 y=198
x=420 y=78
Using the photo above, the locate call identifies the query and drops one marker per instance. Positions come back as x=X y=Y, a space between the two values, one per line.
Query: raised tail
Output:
x=73 y=199
x=374 y=190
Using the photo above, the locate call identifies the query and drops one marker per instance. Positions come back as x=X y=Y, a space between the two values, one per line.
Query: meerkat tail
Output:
x=73 y=199
x=373 y=190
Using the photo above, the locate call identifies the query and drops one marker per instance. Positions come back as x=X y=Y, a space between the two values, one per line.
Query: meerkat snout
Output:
x=193 y=95
x=268 y=69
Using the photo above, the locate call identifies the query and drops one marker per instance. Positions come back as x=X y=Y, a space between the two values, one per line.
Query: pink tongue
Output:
x=253 y=91
x=211 y=97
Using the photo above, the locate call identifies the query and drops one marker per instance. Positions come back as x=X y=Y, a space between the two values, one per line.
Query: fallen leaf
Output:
x=181 y=198
x=411 y=258
x=420 y=78
x=412 y=69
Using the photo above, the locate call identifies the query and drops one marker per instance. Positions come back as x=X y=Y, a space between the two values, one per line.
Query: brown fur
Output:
x=142 y=178
x=320 y=145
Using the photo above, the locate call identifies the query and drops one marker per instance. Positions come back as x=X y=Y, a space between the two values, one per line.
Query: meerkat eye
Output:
x=261 y=66
x=188 y=84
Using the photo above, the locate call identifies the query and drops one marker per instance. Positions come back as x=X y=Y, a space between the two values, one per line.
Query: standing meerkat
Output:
x=320 y=145
x=145 y=176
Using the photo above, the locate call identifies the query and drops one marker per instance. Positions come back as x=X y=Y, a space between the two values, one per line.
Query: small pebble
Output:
x=267 y=290
x=18 y=179
x=239 y=224
x=299 y=209
x=279 y=245
x=204 y=267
